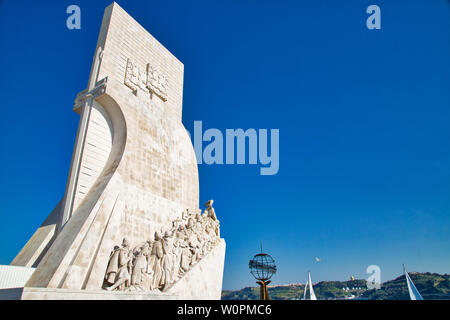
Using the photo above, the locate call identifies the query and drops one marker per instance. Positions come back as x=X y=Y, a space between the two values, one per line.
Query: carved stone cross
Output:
x=84 y=100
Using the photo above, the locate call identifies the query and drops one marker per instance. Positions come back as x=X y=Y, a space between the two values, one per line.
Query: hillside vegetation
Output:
x=432 y=286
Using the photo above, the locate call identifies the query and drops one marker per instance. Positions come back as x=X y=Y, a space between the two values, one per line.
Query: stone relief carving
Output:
x=134 y=77
x=159 y=262
x=157 y=82
x=151 y=81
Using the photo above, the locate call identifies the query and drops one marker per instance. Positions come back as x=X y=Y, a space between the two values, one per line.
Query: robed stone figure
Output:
x=119 y=267
x=155 y=262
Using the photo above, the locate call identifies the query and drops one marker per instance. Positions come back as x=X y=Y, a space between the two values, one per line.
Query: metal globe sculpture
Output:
x=263 y=267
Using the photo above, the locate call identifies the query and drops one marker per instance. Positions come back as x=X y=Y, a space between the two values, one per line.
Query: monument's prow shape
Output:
x=133 y=181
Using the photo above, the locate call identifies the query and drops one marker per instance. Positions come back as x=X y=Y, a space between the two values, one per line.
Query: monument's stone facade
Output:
x=133 y=176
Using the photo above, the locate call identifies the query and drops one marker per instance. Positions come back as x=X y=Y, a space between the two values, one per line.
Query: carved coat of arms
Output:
x=152 y=80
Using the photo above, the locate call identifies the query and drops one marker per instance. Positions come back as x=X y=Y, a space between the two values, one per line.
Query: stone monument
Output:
x=129 y=225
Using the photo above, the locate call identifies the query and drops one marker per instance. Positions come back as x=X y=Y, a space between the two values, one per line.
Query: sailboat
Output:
x=413 y=292
x=312 y=295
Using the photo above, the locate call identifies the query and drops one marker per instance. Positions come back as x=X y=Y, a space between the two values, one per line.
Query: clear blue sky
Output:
x=364 y=119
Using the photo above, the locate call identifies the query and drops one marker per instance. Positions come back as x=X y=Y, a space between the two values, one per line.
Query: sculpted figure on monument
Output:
x=185 y=252
x=156 y=261
x=118 y=271
x=181 y=232
x=199 y=233
x=176 y=223
x=140 y=264
x=167 y=260
x=211 y=213
x=185 y=215
x=194 y=244
x=177 y=251
x=149 y=270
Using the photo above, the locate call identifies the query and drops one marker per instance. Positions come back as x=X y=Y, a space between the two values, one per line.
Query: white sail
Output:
x=306 y=288
x=413 y=292
x=312 y=295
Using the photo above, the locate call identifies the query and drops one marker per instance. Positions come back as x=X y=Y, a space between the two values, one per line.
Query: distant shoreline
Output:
x=433 y=286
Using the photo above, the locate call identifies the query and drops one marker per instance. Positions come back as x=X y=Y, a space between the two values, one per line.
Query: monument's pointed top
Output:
x=114 y=6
